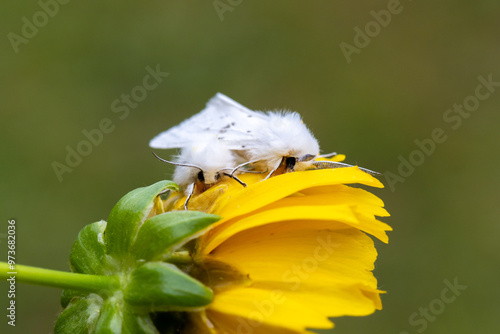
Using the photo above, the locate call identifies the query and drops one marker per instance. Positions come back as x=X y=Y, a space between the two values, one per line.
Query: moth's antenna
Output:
x=328 y=155
x=307 y=157
x=242 y=165
x=176 y=163
x=235 y=169
x=336 y=164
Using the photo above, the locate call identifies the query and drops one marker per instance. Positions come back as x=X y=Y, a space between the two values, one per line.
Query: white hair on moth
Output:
x=211 y=156
x=226 y=138
x=284 y=135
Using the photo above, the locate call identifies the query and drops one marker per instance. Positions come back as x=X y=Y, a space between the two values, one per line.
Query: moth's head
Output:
x=202 y=179
x=208 y=177
x=285 y=136
x=292 y=163
x=209 y=159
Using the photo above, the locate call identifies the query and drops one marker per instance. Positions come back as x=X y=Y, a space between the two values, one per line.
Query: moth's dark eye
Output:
x=290 y=162
x=217 y=176
x=201 y=177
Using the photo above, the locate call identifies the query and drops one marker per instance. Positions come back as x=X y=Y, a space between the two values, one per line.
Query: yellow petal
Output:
x=230 y=324
x=298 y=241
x=318 y=207
x=293 y=253
x=358 y=194
x=308 y=307
x=302 y=273
x=265 y=192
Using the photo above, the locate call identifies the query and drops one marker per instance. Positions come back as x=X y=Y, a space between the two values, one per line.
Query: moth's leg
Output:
x=235 y=178
x=190 y=189
x=278 y=165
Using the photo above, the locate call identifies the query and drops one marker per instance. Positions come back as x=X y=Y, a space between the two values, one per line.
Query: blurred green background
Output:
x=396 y=89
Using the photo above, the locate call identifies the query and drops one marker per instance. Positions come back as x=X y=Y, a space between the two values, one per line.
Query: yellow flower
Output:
x=289 y=253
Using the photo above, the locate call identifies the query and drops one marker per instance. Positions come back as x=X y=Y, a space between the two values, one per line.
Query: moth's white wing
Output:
x=221 y=115
x=175 y=137
x=239 y=133
x=230 y=106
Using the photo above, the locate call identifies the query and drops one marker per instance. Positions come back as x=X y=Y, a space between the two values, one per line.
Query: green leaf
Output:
x=118 y=318
x=160 y=286
x=104 y=259
x=88 y=251
x=111 y=317
x=162 y=233
x=68 y=295
x=134 y=323
x=129 y=213
x=80 y=316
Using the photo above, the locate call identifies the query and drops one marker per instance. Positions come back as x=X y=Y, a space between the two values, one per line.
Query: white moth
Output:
x=226 y=136
x=273 y=142
x=202 y=164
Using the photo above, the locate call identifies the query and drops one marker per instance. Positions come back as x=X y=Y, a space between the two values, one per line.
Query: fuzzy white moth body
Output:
x=213 y=158
x=203 y=159
x=276 y=142
x=226 y=136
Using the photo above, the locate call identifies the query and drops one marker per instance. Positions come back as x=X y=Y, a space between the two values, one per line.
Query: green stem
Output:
x=58 y=279
x=182 y=257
